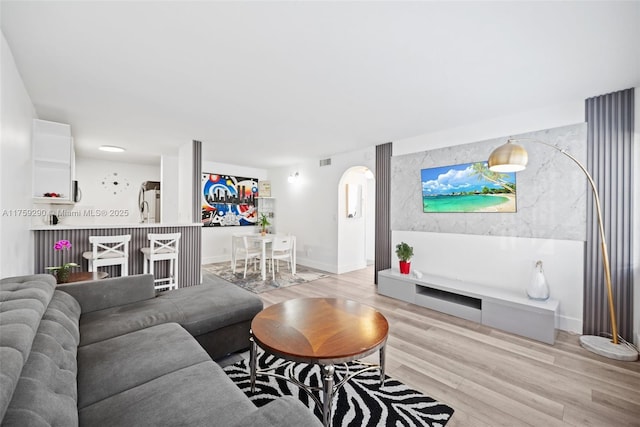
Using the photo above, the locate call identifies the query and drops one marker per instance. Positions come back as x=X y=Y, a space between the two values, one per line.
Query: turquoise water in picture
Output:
x=469 y=203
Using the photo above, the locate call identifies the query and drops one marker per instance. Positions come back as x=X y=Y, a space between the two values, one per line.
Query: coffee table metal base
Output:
x=327 y=368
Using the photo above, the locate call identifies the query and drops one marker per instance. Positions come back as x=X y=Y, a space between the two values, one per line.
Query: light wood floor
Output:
x=490 y=378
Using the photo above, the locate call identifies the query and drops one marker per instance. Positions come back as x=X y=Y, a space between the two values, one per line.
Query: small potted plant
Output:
x=264 y=223
x=404 y=253
x=63 y=271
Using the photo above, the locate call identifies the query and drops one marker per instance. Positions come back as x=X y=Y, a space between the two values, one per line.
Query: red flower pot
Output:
x=405 y=266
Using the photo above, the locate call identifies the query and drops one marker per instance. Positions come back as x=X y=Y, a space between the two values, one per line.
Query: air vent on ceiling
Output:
x=325 y=162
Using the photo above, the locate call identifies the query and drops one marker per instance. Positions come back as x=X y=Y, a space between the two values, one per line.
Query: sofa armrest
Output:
x=282 y=412
x=97 y=295
x=30 y=278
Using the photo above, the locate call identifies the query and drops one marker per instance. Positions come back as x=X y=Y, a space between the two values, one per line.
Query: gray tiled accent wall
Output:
x=551 y=192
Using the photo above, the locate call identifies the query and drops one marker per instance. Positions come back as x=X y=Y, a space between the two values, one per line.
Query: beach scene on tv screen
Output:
x=468 y=187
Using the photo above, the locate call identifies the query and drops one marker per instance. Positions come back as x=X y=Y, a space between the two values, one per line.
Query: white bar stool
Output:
x=109 y=250
x=163 y=247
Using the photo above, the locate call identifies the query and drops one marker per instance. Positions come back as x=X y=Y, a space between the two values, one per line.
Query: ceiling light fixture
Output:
x=111 y=148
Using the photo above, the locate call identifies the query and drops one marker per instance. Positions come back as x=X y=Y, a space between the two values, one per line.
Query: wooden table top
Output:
x=322 y=330
x=80 y=276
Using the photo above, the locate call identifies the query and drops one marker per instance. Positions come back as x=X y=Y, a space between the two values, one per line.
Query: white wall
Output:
x=169 y=189
x=352 y=244
x=309 y=208
x=448 y=245
x=503 y=262
x=100 y=194
x=529 y=121
x=216 y=241
x=16 y=250
x=185 y=183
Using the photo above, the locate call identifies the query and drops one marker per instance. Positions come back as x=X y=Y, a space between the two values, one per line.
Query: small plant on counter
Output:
x=264 y=223
x=62 y=272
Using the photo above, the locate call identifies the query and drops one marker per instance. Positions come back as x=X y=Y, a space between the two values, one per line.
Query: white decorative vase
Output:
x=538 y=288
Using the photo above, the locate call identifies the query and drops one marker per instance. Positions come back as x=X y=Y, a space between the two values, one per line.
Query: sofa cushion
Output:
x=46 y=393
x=212 y=306
x=199 y=309
x=94 y=295
x=115 y=321
x=23 y=301
x=199 y=395
x=115 y=365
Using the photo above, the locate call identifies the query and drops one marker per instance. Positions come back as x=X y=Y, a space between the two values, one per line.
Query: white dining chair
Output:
x=243 y=248
x=281 y=248
x=162 y=247
x=109 y=250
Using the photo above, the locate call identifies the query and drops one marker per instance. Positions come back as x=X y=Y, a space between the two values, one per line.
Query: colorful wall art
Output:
x=468 y=187
x=228 y=200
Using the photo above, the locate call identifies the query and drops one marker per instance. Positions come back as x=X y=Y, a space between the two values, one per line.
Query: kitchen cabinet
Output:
x=53 y=162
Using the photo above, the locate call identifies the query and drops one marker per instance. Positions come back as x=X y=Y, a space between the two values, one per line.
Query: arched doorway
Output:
x=356 y=219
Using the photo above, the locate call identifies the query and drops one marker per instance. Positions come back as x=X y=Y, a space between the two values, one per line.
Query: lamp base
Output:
x=605 y=347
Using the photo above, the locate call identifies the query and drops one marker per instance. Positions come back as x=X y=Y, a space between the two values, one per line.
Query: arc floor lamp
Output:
x=512 y=157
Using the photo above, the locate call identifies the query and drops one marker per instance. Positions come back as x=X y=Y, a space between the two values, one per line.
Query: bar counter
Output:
x=189 y=260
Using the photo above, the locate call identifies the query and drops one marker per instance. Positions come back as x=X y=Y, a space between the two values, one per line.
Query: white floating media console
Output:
x=493 y=307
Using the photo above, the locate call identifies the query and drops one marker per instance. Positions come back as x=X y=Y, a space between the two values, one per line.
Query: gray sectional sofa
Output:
x=111 y=353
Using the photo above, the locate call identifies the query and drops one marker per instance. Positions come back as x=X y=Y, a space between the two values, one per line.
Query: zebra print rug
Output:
x=360 y=402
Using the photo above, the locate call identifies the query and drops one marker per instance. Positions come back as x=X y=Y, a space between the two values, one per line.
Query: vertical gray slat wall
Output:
x=196 y=202
x=189 y=258
x=610 y=120
x=383 y=209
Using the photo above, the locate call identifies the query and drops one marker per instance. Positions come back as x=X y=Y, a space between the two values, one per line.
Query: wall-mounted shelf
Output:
x=53 y=200
x=266 y=205
x=493 y=307
x=51 y=163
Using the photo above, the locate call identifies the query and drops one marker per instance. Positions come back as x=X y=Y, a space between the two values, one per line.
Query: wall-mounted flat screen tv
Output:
x=468 y=187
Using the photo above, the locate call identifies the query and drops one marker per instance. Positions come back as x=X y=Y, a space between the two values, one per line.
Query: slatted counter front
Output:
x=189 y=258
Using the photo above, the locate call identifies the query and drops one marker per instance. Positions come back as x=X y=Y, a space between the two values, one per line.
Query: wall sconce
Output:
x=294 y=177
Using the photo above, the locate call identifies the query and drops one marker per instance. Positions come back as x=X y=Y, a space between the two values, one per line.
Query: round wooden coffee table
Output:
x=321 y=331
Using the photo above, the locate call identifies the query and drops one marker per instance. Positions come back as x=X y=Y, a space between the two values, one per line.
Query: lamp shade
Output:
x=509 y=157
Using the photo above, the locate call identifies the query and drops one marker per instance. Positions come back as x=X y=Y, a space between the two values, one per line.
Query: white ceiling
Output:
x=266 y=84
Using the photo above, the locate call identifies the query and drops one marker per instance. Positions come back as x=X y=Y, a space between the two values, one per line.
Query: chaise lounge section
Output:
x=218 y=315
x=110 y=353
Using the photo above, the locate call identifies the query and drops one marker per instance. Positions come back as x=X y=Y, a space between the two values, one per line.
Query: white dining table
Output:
x=268 y=238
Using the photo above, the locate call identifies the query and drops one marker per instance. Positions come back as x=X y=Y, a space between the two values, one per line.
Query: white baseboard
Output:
x=315 y=264
x=214 y=259
x=353 y=267
x=569 y=324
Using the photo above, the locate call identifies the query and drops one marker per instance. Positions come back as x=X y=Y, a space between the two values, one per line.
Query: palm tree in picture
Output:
x=481 y=170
